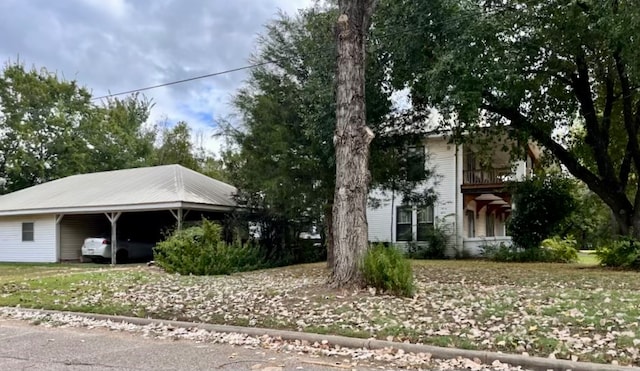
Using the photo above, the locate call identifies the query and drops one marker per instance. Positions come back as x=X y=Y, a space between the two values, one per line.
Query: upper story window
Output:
x=27 y=232
x=416 y=164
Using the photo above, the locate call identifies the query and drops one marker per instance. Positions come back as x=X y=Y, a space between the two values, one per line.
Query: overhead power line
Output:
x=250 y=66
x=184 y=80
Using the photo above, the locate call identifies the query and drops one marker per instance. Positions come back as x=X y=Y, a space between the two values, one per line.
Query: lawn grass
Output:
x=578 y=310
x=16 y=271
x=588 y=258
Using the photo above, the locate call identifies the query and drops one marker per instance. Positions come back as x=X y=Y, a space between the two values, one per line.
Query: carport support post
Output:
x=113 y=218
x=58 y=239
x=179 y=215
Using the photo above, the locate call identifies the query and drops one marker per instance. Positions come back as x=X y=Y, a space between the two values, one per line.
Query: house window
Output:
x=27 y=232
x=416 y=164
x=491 y=225
x=425 y=222
x=414 y=224
x=471 y=223
x=403 y=224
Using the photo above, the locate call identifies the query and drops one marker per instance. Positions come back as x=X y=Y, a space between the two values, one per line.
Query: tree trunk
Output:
x=328 y=226
x=352 y=139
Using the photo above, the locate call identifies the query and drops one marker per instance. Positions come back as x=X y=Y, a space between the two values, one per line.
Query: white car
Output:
x=99 y=249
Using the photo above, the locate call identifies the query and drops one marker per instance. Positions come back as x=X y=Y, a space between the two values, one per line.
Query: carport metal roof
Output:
x=139 y=189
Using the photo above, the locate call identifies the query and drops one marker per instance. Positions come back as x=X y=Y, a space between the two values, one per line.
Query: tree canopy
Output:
x=285 y=162
x=49 y=128
x=563 y=73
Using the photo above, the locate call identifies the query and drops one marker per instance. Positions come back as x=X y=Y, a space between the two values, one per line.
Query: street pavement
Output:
x=28 y=347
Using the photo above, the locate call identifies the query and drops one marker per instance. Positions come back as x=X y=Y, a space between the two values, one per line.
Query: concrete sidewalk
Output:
x=23 y=347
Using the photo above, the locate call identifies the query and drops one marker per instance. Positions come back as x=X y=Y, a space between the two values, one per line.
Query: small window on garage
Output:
x=27 y=232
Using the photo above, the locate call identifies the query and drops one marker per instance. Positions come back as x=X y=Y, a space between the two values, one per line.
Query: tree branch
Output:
x=369 y=9
x=627 y=109
x=625 y=167
x=608 y=190
x=595 y=136
x=608 y=108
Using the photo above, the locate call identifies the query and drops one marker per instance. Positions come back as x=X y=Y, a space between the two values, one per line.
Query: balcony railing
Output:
x=486 y=176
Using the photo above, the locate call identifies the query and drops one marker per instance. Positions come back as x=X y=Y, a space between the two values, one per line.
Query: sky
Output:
x=110 y=46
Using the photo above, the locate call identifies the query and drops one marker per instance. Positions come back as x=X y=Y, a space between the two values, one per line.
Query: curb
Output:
x=530 y=362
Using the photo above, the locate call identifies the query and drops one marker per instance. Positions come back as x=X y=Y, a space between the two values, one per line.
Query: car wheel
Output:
x=122 y=256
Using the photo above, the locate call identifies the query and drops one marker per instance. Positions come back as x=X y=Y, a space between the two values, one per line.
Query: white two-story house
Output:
x=472 y=203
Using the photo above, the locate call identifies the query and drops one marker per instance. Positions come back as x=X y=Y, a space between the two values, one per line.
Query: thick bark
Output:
x=352 y=139
x=328 y=231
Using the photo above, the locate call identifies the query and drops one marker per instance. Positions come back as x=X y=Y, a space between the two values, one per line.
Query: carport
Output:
x=138 y=203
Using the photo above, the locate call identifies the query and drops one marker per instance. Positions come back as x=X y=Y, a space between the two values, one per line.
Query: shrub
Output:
x=541 y=205
x=385 y=268
x=624 y=253
x=561 y=250
x=498 y=252
x=508 y=253
x=201 y=251
x=565 y=252
x=433 y=247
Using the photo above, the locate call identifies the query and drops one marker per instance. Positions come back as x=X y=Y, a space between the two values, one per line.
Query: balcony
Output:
x=492 y=176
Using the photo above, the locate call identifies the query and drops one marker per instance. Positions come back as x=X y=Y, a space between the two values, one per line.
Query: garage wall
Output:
x=41 y=250
x=75 y=228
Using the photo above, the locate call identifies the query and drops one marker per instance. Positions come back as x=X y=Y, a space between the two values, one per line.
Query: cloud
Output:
x=119 y=45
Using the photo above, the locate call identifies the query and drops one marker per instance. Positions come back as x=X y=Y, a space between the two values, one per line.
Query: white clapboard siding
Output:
x=441 y=157
x=380 y=218
x=74 y=229
x=41 y=250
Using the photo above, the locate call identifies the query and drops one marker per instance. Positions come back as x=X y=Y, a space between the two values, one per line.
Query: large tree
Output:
x=50 y=128
x=351 y=141
x=285 y=162
x=563 y=73
x=176 y=147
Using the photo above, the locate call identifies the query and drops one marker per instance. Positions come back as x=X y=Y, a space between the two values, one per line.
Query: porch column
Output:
x=460 y=205
x=58 y=219
x=113 y=218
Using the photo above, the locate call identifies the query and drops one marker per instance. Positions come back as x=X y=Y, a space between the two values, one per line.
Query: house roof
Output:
x=139 y=189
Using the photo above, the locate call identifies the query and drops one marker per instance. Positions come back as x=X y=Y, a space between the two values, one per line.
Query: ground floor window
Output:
x=471 y=223
x=27 y=232
x=425 y=223
x=403 y=224
x=414 y=223
x=491 y=225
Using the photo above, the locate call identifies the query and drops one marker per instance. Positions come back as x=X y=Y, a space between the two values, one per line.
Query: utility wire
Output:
x=264 y=63
x=184 y=80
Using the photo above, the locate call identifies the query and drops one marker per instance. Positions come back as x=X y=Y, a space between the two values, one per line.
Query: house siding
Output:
x=380 y=219
x=41 y=250
x=441 y=157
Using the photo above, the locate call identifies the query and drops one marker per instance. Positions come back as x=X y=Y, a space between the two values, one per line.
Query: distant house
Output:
x=473 y=204
x=49 y=222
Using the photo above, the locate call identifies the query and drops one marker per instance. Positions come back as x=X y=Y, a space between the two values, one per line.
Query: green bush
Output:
x=542 y=204
x=508 y=253
x=498 y=252
x=200 y=250
x=561 y=250
x=505 y=253
x=385 y=268
x=624 y=253
x=433 y=247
